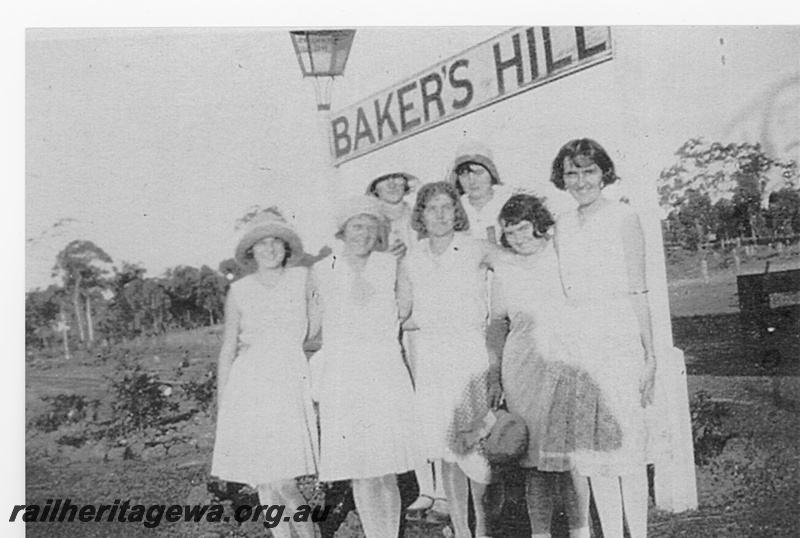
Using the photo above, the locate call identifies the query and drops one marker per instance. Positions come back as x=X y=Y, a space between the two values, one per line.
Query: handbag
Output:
x=507 y=440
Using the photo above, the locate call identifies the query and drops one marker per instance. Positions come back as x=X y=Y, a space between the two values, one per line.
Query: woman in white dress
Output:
x=366 y=398
x=390 y=189
x=540 y=379
x=601 y=257
x=266 y=432
x=447 y=273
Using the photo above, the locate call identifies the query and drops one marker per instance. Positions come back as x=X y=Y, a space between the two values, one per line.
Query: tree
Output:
x=721 y=189
x=197 y=295
x=783 y=214
x=41 y=313
x=211 y=293
x=182 y=285
x=231 y=270
x=83 y=268
x=747 y=206
x=140 y=305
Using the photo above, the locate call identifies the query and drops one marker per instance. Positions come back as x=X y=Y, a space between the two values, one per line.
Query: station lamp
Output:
x=322 y=54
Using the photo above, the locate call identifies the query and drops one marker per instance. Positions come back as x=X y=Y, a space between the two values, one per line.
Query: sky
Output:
x=151 y=142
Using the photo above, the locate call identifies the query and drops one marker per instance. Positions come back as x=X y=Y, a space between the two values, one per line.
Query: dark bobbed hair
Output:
x=522 y=207
x=428 y=191
x=251 y=260
x=467 y=164
x=583 y=149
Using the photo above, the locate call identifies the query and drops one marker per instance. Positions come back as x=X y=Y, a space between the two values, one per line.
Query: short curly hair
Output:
x=525 y=207
x=584 y=149
x=428 y=191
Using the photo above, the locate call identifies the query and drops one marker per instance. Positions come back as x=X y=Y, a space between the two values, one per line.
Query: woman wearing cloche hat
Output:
x=390 y=189
x=266 y=432
x=366 y=398
x=475 y=175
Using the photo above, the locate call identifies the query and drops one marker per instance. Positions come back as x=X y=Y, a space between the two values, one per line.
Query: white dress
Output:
x=540 y=383
x=366 y=401
x=483 y=224
x=606 y=342
x=399 y=216
x=450 y=310
x=266 y=426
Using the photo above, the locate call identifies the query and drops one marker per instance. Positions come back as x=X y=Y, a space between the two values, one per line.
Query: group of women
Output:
x=432 y=315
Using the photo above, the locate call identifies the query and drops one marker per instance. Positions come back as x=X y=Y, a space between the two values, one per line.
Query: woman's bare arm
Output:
x=230 y=343
x=633 y=244
x=496 y=334
x=403 y=291
x=491 y=253
x=313 y=306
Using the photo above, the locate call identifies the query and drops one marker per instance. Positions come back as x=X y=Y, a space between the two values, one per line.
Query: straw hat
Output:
x=410 y=180
x=269 y=223
x=364 y=205
x=477 y=153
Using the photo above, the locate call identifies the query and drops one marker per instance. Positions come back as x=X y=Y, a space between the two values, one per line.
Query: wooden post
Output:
x=89 y=322
x=675 y=479
x=704 y=269
x=670 y=447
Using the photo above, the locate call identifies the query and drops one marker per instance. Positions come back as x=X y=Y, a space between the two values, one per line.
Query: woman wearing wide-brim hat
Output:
x=365 y=394
x=266 y=433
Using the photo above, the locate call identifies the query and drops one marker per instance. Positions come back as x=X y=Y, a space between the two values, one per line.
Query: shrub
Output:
x=65 y=409
x=204 y=391
x=75 y=441
x=708 y=431
x=140 y=400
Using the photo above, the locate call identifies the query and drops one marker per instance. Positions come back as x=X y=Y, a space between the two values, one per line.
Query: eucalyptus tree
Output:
x=722 y=190
x=84 y=268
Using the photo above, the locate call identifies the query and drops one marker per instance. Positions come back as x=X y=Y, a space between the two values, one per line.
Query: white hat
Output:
x=410 y=181
x=268 y=223
x=364 y=205
x=475 y=152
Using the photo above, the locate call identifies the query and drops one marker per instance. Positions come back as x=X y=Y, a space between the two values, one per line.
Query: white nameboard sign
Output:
x=513 y=62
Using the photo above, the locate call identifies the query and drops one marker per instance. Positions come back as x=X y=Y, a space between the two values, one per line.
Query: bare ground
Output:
x=749 y=489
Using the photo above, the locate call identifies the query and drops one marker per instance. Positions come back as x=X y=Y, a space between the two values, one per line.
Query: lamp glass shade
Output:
x=322 y=53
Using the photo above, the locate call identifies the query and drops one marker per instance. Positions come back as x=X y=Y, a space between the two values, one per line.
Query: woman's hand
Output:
x=494 y=388
x=495 y=394
x=410 y=325
x=647 y=381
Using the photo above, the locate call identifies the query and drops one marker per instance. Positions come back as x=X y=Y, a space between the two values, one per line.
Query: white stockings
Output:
x=286 y=493
x=378 y=504
x=615 y=494
x=458 y=486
